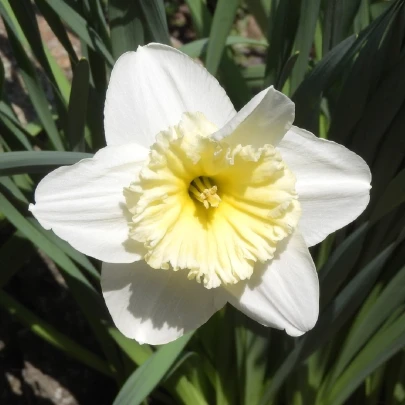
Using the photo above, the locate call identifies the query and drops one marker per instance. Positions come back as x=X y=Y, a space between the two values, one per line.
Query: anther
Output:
x=203 y=191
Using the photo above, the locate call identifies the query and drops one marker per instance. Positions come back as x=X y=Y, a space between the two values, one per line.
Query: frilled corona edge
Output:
x=212 y=209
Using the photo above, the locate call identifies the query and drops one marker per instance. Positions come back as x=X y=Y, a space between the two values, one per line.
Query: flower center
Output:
x=204 y=192
x=207 y=208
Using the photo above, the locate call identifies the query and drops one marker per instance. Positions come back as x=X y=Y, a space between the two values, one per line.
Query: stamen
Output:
x=203 y=191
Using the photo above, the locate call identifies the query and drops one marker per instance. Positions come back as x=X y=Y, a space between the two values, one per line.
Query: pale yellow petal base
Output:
x=213 y=210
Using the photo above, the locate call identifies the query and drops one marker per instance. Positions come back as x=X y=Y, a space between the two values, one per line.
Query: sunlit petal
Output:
x=333 y=183
x=151 y=88
x=264 y=120
x=84 y=204
x=284 y=292
x=156 y=306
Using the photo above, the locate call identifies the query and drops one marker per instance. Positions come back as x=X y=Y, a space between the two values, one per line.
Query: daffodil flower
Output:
x=192 y=205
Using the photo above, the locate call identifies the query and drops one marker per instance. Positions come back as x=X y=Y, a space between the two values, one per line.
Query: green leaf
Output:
x=75 y=255
x=330 y=320
x=356 y=88
x=304 y=39
x=51 y=335
x=78 y=106
x=13 y=190
x=221 y=26
x=376 y=9
x=61 y=82
x=393 y=196
x=286 y=71
x=387 y=100
x=94 y=11
x=126 y=26
x=6 y=110
x=283 y=25
x=57 y=27
x=232 y=80
x=95 y=117
x=362 y=19
x=144 y=379
x=34 y=88
x=11 y=258
x=346 y=302
x=25 y=21
x=386 y=303
x=230 y=74
x=198 y=48
x=378 y=350
x=80 y=26
x=308 y=95
x=13 y=129
x=340 y=264
x=261 y=11
x=254 y=72
x=395 y=378
x=138 y=353
x=338 y=20
x=252 y=342
x=37 y=162
x=201 y=17
x=25 y=14
x=84 y=293
x=224 y=360
x=2 y=78
x=185 y=390
x=154 y=16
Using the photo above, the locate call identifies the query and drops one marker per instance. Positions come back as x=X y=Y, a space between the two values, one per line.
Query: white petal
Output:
x=84 y=203
x=333 y=183
x=282 y=293
x=264 y=120
x=156 y=306
x=151 y=88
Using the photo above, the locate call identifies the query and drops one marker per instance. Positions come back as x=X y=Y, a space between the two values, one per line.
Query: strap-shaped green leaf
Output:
x=338 y=22
x=198 y=48
x=154 y=17
x=308 y=95
x=362 y=331
x=34 y=88
x=221 y=26
x=25 y=14
x=138 y=353
x=48 y=333
x=282 y=28
x=77 y=111
x=83 y=291
x=261 y=10
x=393 y=196
x=230 y=74
x=144 y=379
x=80 y=26
x=72 y=253
x=37 y=162
x=57 y=27
x=379 y=349
x=13 y=131
x=126 y=26
x=11 y=258
x=2 y=78
x=331 y=319
x=304 y=39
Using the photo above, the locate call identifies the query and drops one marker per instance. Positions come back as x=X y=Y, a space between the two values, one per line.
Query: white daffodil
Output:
x=192 y=205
